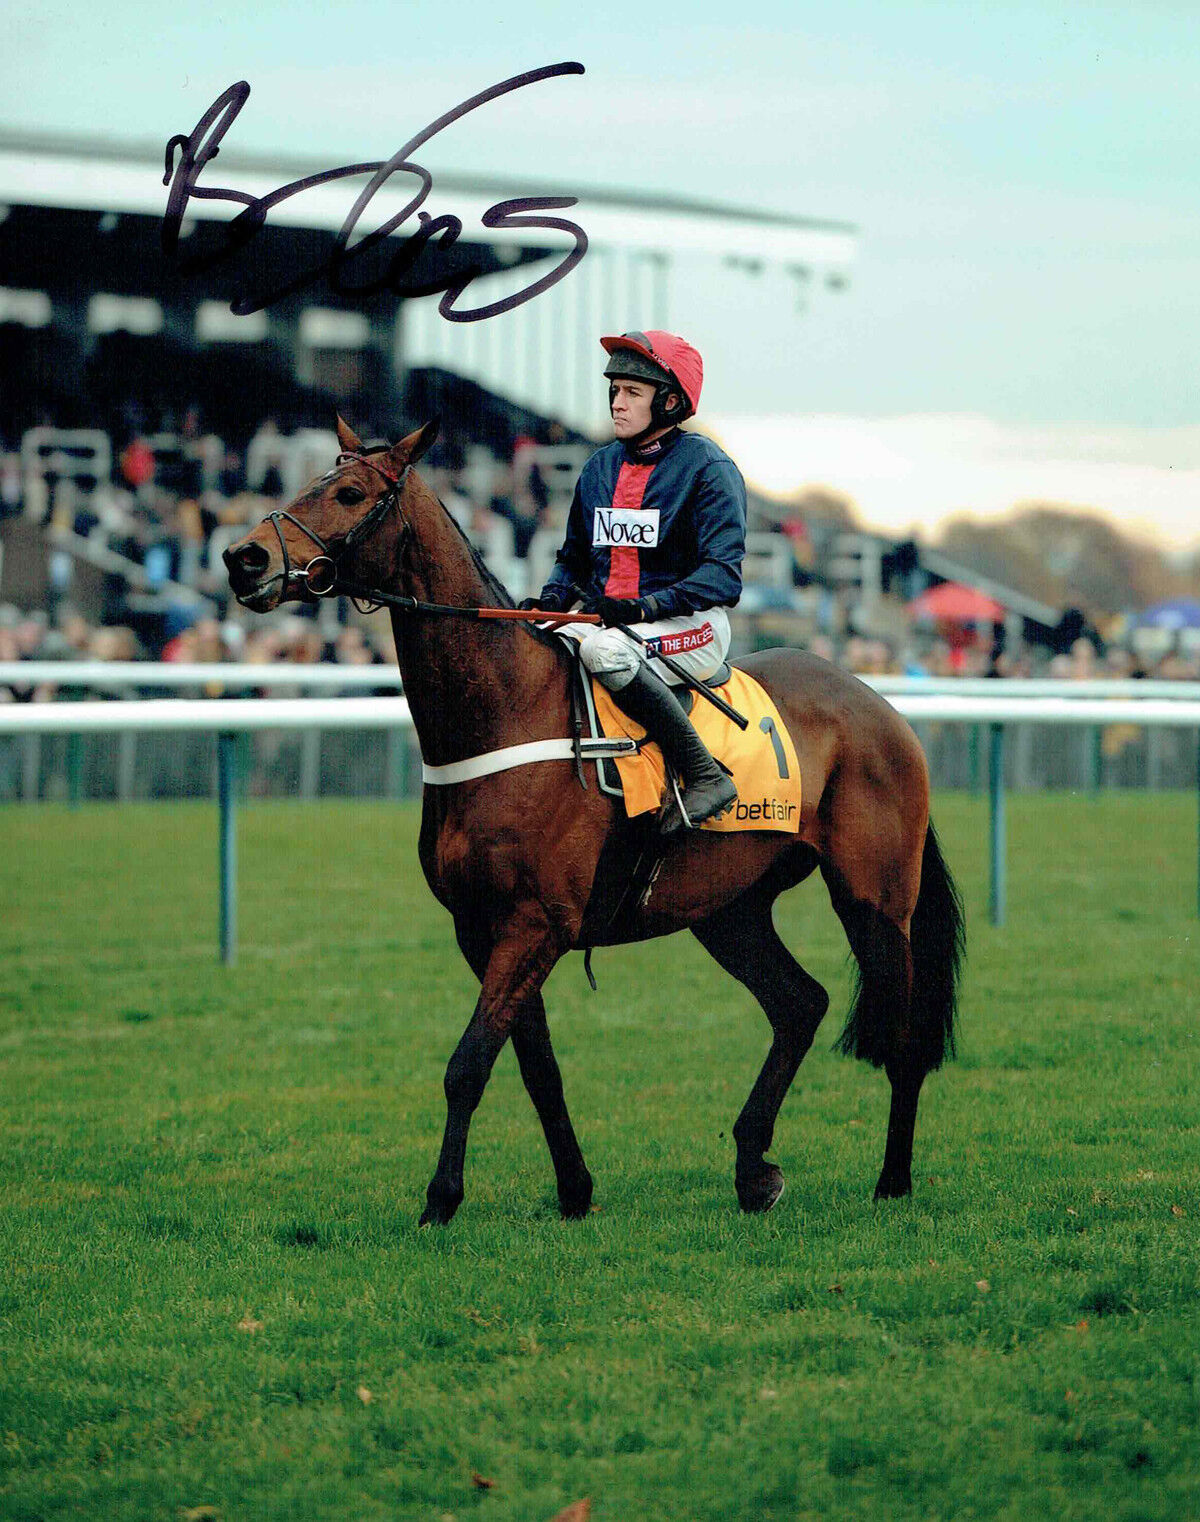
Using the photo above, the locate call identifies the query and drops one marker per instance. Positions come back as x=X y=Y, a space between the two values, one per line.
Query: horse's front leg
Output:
x=522 y=954
x=543 y=1083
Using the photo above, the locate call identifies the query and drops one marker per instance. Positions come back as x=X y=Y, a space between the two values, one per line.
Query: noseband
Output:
x=322 y=576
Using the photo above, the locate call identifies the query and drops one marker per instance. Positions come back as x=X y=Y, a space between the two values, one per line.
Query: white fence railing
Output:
x=204 y=715
x=227 y=717
x=245 y=714
x=1092 y=755
x=1034 y=687
x=109 y=676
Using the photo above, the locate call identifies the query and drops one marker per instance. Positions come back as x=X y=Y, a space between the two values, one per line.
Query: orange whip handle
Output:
x=536 y=616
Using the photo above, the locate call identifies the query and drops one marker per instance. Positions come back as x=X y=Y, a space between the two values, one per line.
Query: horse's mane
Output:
x=490 y=580
x=503 y=597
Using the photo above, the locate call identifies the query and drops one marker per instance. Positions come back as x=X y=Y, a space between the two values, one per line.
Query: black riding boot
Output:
x=651 y=702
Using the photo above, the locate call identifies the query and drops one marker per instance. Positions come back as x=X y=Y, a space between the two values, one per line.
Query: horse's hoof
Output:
x=574 y=1204
x=760 y=1191
x=892 y=1188
x=439 y=1211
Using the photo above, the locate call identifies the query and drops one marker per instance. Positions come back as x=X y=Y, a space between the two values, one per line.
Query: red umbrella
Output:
x=957 y=604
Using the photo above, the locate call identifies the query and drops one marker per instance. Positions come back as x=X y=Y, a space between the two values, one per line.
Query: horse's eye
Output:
x=349 y=496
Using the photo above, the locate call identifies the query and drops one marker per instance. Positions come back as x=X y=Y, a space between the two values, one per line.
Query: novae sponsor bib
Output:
x=630 y=527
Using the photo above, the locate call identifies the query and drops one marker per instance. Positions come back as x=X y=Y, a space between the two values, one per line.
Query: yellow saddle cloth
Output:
x=761 y=757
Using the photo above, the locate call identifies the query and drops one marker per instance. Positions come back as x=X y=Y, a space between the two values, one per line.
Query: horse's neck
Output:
x=472 y=685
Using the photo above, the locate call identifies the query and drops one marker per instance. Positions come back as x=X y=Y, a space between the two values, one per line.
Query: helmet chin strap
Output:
x=640 y=438
x=643 y=439
x=660 y=418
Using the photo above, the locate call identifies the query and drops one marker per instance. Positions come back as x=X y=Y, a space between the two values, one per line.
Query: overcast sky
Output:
x=1026 y=177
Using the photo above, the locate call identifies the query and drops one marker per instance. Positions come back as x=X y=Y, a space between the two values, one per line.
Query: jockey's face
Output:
x=629 y=404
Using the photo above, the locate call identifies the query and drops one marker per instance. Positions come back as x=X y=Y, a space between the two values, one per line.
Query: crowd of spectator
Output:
x=155 y=510
x=934 y=656
x=287 y=642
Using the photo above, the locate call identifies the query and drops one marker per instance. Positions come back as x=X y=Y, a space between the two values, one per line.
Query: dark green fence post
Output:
x=74 y=769
x=996 y=792
x=227 y=803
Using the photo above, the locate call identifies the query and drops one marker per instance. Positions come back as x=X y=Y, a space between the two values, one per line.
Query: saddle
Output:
x=585 y=719
x=761 y=759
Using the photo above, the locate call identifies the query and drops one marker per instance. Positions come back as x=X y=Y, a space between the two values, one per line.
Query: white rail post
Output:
x=31 y=766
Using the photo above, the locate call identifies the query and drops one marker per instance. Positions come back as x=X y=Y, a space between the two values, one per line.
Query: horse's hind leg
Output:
x=906 y=1077
x=742 y=938
x=880 y=1029
x=543 y=1081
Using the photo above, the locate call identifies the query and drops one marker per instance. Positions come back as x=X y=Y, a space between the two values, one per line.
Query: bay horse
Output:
x=514 y=856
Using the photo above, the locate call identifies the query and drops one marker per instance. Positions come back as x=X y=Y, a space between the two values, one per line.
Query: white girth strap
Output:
x=522 y=755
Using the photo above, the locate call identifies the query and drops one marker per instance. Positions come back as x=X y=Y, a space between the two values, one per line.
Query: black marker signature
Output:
x=203 y=145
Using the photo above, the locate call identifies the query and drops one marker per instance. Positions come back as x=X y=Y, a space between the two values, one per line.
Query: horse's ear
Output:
x=409 y=450
x=347 y=438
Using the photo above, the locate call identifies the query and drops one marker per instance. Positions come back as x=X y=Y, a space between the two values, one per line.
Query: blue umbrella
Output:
x=1176 y=613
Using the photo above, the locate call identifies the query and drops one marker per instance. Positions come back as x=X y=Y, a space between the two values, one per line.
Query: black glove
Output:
x=615 y=610
x=621 y=610
x=548 y=602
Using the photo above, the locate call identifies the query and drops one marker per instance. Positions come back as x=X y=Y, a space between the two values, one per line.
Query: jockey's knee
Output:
x=610 y=657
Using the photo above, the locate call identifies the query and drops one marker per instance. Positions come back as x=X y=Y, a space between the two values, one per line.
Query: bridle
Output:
x=322 y=576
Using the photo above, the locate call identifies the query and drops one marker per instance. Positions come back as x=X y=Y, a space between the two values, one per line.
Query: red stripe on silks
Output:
x=624 y=568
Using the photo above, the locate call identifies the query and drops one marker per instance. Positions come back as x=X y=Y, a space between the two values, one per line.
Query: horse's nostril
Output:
x=250 y=558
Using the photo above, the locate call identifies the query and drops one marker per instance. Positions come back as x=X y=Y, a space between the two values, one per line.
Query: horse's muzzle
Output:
x=247 y=564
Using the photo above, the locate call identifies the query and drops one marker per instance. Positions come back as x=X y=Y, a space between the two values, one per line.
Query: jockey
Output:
x=655 y=539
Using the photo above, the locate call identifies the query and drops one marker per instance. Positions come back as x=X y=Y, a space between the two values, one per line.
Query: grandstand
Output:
x=81 y=251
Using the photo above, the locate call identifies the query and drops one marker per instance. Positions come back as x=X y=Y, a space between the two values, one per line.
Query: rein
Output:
x=378 y=599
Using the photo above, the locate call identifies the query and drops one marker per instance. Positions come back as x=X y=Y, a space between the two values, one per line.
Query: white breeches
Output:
x=698 y=642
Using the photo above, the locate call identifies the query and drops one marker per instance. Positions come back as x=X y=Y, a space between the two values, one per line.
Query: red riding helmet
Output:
x=664 y=358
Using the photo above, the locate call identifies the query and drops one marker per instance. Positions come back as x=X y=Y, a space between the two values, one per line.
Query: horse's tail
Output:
x=937 y=942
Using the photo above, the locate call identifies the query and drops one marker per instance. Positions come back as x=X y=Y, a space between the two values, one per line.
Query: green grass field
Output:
x=216 y=1301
